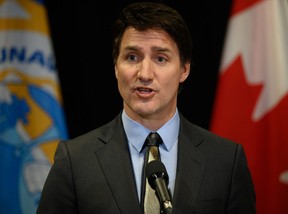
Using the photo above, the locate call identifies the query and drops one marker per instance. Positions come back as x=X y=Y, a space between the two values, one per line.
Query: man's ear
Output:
x=116 y=71
x=185 y=70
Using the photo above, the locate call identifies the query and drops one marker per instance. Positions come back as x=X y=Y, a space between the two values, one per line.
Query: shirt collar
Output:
x=136 y=133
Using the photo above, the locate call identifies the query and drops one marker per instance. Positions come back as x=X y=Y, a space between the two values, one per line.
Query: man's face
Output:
x=148 y=71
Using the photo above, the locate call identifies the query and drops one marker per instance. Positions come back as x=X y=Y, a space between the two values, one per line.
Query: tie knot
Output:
x=153 y=139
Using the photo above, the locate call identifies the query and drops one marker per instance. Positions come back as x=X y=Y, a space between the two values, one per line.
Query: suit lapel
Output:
x=117 y=168
x=116 y=164
x=190 y=168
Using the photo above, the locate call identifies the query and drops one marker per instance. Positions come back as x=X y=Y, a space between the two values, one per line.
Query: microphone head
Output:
x=156 y=169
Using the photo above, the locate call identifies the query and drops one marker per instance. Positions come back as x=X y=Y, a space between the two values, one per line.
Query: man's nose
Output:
x=146 y=70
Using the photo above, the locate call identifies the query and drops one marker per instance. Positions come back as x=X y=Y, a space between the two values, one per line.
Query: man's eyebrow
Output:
x=133 y=48
x=161 y=49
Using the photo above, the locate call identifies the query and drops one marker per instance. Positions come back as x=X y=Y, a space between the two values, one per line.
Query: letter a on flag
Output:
x=31 y=115
x=251 y=102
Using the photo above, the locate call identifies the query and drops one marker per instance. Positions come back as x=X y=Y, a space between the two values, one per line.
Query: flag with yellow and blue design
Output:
x=31 y=116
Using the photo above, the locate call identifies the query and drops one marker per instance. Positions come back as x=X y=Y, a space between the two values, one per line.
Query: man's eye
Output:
x=161 y=59
x=132 y=58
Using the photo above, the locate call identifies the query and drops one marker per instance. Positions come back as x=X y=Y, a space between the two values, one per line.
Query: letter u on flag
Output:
x=251 y=102
x=31 y=115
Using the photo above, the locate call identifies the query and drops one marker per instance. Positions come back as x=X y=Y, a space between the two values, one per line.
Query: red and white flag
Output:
x=251 y=102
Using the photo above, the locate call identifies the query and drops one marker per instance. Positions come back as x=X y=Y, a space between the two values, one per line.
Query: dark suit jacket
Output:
x=93 y=174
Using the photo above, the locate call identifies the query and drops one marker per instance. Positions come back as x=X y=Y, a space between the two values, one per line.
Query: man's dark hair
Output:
x=148 y=15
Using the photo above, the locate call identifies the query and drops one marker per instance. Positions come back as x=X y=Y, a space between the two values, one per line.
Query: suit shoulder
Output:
x=203 y=135
x=98 y=135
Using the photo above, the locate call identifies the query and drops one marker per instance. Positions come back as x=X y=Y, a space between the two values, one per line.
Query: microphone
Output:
x=158 y=179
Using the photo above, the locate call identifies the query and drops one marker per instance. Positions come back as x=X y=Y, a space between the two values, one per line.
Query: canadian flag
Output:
x=251 y=101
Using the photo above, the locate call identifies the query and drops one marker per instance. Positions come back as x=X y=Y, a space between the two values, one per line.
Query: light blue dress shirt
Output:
x=136 y=134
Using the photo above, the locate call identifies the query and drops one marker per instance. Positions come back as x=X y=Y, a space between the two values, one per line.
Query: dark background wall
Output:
x=81 y=35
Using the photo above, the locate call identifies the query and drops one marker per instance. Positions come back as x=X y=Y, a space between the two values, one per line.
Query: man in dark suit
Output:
x=101 y=171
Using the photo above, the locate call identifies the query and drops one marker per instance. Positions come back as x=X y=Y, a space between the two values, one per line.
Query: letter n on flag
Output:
x=31 y=115
x=251 y=102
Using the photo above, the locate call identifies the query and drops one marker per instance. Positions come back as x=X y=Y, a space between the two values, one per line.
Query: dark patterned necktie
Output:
x=151 y=202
